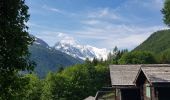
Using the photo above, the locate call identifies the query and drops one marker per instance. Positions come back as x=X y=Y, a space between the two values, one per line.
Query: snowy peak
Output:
x=38 y=41
x=81 y=51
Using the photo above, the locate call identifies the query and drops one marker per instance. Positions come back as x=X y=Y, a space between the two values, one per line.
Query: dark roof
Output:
x=123 y=75
x=155 y=73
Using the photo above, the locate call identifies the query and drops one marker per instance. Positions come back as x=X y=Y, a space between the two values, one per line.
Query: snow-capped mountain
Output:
x=39 y=41
x=48 y=59
x=81 y=51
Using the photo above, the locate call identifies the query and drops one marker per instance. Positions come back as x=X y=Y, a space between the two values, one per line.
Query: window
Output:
x=148 y=91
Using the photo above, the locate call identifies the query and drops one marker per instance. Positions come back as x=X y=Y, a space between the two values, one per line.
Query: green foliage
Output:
x=14 y=54
x=166 y=12
x=55 y=87
x=137 y=57
x=47 y=85
x=114 y=57
x=60 y=69
x=94 y=61
x=76 y=82
x=164 y=57
x=28 y=87
x=159 y=44
x=34 y=88
x=13 y=86
x=156 y=43
x=13 y=35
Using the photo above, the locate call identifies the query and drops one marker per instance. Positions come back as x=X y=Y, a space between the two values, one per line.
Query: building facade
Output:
x=141 y=82
x=122 y=77
x=154 y=82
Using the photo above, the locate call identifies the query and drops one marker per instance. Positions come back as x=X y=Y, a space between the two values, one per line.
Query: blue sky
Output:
x=100 y=23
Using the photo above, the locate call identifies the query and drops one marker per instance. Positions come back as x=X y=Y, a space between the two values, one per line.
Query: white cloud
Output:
x=123 y=36
x=51 y=37
x=55 y=10
x=113 y=29
x=130 y=41
x=106 y=36
x=91 y=22
x=106 y=25
x=59 y=11
x=52 y=9
x=48 y=36
x=64 y=38
x=31 y=24
x=103 y=13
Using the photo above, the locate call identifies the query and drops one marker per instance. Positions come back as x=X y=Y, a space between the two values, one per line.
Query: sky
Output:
x=100 y=23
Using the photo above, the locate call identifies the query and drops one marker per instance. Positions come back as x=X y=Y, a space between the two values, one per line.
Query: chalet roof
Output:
x=90 y=98
x=123 y=75
x=156 y=73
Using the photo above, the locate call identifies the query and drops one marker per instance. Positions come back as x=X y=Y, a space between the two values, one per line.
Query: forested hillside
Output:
x=157 y=42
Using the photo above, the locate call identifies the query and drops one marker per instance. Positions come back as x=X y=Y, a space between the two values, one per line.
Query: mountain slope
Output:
x=81 y=51
x=157 y=42
x=48 y=59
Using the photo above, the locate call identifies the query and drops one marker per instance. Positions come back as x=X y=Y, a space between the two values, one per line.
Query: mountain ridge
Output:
x=81 y=51
x=159 y=41
x=48 y=59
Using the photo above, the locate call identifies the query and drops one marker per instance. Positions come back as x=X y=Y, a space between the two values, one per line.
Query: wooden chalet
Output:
x=122 y=78
x=154 y=82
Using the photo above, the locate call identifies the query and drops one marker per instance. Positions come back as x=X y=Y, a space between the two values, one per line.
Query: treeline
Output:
x=138 y=57
x=73 y=83
x=80 y=81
